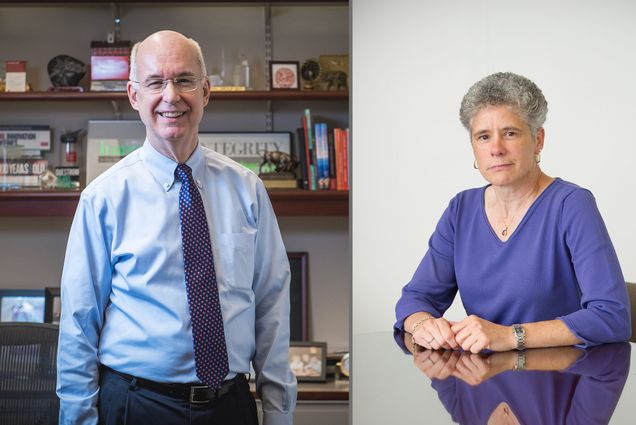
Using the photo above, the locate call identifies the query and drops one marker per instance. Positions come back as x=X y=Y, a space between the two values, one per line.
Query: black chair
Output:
x=28 y=353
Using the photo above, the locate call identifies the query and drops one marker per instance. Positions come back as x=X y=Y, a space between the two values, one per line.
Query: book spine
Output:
x=333 y=184
x=321 y=156
x=339 y=157
x=19 y=181
x=300 y=153
x=345 y=159
x=23 y=167
x=312 y=151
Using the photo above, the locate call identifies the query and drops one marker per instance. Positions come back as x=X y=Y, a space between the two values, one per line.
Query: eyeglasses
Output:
x=181 y=84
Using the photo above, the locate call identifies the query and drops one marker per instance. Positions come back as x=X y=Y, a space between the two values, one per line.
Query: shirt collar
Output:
x=162 y=168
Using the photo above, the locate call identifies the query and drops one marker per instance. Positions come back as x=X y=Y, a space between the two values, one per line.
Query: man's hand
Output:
x=475 y=334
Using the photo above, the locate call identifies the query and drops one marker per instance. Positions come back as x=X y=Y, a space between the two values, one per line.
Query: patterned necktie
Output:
x=210 y=351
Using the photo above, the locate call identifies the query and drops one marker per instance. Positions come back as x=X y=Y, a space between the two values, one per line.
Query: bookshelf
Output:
x=286 y=202
x=216 y=95
x=34 y=224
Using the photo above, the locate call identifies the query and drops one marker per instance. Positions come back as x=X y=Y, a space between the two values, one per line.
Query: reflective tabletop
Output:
x=548 y=386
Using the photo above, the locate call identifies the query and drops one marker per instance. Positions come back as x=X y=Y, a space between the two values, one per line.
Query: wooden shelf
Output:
x=172 y=1
x=60 y=203
x=319 y=391
x=236 y=95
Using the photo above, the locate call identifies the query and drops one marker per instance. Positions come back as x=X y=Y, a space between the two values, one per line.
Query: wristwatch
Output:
x=521 y=361
x=520 y=335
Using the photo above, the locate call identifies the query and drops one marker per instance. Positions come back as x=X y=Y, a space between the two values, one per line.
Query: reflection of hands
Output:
x=475 y=334
x=436 y=364
x=436 y=334
x=469 y=367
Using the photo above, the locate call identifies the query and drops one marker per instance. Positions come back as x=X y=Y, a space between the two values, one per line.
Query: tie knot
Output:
x=183 y=173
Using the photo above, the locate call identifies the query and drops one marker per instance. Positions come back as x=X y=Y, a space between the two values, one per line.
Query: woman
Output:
x=529 y=253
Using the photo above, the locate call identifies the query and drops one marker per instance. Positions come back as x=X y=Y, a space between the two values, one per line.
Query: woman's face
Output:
x=504 y=147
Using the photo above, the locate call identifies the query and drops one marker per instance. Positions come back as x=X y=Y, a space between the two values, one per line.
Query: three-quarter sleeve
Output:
x=605 y=309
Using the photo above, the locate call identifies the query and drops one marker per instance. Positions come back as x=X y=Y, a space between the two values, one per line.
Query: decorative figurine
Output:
x=310 y=71
x=65 y=73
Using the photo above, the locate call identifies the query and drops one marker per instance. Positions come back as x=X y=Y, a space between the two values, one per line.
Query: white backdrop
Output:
x=413 y=61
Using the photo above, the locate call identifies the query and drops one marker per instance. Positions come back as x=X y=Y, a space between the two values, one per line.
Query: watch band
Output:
x=520 y=335
x=521 y=361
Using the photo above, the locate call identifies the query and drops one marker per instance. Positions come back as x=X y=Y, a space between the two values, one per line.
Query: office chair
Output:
x=631 y=290
x=28 y=353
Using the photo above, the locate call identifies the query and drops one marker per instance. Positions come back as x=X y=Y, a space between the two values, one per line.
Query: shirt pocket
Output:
x=236 y=255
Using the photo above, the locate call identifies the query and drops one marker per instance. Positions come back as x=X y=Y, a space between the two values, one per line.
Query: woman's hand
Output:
x=475 y=334
x=435 y=334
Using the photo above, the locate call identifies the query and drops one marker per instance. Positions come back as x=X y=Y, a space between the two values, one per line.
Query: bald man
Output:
x=158 y=327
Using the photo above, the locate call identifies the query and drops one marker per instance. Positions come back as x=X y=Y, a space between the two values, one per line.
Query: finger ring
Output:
x=430 y=340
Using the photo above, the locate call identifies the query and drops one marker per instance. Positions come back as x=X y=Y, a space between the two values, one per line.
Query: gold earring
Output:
x=475 y=165
x=537 y=158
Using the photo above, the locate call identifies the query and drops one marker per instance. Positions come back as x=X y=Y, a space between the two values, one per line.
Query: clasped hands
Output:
x=472 y=334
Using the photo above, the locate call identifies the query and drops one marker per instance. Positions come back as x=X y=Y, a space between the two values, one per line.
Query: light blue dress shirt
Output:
x=124 y=301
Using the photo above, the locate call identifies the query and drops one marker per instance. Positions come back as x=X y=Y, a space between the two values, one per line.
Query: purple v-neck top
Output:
x=558 y=263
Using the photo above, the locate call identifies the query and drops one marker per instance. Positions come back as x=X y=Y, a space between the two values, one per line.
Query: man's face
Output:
x=171 y=117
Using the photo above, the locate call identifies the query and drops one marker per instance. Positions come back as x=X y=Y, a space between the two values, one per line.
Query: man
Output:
x=175 y=275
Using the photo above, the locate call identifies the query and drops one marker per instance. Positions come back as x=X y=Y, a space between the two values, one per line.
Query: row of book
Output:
x=21 y=162
x=323 y=154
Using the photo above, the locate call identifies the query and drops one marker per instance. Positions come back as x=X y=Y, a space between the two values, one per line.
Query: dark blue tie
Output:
x=210 y=351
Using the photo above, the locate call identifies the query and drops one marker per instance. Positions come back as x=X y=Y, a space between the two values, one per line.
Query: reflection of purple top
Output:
x=559 y=262
x=585 y=393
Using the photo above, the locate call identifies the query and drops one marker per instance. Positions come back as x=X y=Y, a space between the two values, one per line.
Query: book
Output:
x=322 y=156
x=17 y=182
x=36 y=137
x=299 y=153
x=15 y=78
x=309 y=151
x=281 y=184
x=333 y=184
x=23 y=167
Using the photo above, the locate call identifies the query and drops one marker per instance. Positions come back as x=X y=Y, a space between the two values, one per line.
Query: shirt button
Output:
x=166 y=185
x=199 y=183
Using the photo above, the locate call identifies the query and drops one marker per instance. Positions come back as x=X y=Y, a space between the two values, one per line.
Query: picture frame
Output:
x=22 y=305
x=52 y=305
x=298 y=296
x=284 y=75
x=308 y=361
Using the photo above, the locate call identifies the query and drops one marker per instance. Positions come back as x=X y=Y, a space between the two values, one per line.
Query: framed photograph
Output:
x=284 y=75
x=52 y=305
x=299 y=326
x=308 y=361
x=21 y=305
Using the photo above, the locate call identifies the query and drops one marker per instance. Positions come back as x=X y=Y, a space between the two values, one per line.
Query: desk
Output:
x=319 y=403
x=597 y=387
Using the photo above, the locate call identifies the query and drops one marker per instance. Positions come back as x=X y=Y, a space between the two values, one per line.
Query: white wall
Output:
x=413 y=61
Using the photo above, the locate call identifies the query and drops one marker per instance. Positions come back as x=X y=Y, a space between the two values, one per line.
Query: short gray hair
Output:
x=505 y=88
x=133 y=59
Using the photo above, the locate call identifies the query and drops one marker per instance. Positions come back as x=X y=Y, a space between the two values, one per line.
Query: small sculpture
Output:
x=337 y=79
x=282 y=162
x=66 y=72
